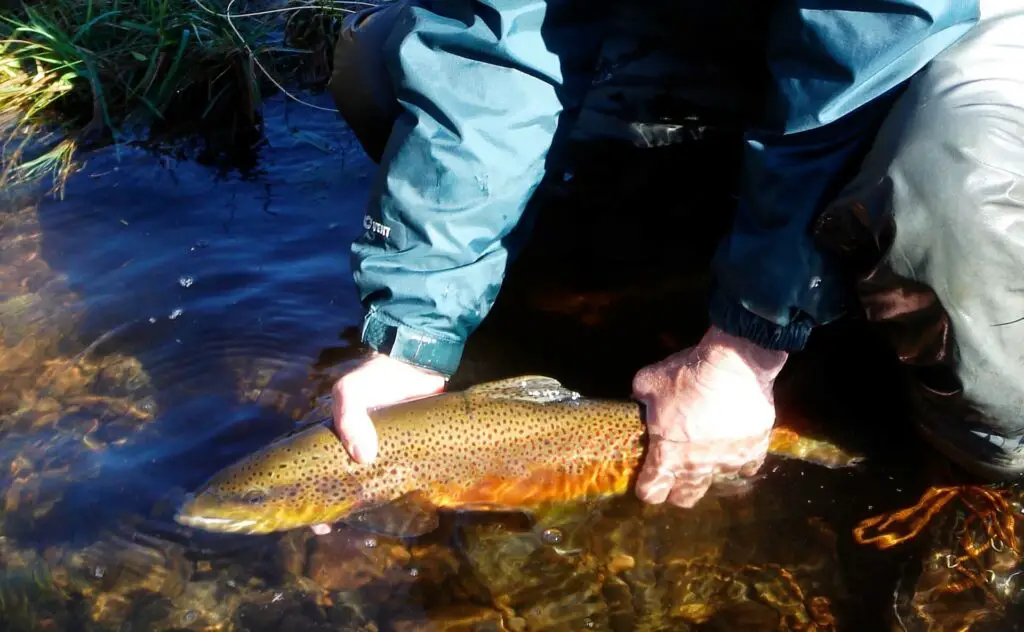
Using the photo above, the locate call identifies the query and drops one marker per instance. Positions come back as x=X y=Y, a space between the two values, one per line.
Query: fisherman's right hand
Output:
x=380 y=381
x=710 y=411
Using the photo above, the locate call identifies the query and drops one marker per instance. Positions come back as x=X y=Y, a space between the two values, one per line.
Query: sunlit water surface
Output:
x=165 y=319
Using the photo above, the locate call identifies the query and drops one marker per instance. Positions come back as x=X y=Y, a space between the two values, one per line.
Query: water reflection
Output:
x=166 y=319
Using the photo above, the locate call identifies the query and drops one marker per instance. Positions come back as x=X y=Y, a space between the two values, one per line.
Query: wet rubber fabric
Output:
x=932 y=228
x=486 y=93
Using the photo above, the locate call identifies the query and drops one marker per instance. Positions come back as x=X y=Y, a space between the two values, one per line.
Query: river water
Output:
x=167 y=317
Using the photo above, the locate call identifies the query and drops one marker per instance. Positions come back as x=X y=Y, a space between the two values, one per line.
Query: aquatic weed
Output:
x=77 y=72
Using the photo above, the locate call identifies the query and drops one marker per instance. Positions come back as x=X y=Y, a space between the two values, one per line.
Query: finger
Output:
x=653 y=485
x=658 y=376
x=666 y=462
x=741 y=457
x=656 y=477
x=650 y=380
x=748 y=462
x=734 y=464
x=643 y=383
x=321 y=529
x=355 y=428
x=730 y=487
x=686 y=494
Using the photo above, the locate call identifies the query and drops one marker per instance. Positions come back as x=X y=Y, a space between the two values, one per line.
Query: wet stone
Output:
x=618 y=597
x=121 y=580
x=208 y=605
x=298 y=611
x=340 y=561
x=531 y=582
x=293 y=550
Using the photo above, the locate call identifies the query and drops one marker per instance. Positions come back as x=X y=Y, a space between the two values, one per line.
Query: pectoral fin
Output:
x=407 y=516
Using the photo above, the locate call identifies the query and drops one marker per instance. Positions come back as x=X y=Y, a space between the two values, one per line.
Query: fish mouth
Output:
x=191 y=514
x=210 y=523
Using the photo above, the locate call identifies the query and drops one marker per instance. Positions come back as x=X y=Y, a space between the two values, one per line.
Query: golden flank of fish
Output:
x=511 y=445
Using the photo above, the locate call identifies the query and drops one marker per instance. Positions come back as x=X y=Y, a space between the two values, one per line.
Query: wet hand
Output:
x=380 y=381
x=710 y=412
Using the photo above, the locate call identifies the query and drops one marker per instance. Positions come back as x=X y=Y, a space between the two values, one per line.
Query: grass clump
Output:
x=80 y=72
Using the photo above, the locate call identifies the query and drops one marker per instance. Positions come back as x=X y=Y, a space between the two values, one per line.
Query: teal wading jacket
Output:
x=481 y=90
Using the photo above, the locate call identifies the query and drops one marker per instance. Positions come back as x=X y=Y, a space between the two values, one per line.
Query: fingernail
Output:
x=357 y=454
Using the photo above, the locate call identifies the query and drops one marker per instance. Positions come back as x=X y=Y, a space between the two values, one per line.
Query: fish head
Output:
x=295 y=482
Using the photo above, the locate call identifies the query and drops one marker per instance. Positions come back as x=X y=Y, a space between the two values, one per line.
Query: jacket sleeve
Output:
x=834 y=74
x=481 y=87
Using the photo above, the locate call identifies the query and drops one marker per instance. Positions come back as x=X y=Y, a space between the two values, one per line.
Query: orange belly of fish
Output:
x=542 y=486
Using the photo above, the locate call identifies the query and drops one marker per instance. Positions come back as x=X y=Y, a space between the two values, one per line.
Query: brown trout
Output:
x=511 y=445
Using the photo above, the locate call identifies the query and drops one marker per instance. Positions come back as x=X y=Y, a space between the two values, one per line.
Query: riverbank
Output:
x=76 y=74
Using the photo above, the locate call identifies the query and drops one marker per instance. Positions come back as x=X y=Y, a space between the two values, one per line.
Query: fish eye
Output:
x=253 y=497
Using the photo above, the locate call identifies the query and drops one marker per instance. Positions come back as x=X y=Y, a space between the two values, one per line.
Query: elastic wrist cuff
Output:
x=734 y=319
x=401 y=342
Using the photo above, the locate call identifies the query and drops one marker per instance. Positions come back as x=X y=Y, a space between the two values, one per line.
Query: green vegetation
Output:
x=76 y=73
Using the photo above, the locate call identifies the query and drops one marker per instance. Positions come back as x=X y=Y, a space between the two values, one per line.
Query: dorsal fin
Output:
x=530 y=388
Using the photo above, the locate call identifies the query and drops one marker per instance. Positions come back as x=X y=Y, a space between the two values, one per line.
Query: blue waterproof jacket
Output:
x=482 y=85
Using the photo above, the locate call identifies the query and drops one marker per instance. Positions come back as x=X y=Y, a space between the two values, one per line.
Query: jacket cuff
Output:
x=734 y=319
x=401 y=342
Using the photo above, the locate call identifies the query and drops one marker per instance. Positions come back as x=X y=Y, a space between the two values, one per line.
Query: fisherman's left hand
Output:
x=710 y=412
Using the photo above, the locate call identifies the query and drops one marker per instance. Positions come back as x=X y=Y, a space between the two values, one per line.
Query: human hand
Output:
x=380 y=381
x=710 y=411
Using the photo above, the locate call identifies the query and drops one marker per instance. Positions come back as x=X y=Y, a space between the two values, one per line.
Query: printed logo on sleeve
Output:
x=376 y=227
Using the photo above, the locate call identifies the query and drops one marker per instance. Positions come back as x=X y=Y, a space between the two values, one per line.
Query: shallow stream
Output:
x=166 y=317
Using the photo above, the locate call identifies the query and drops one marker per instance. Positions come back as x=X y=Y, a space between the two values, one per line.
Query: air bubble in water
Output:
x=186 y=281
x=551 y=536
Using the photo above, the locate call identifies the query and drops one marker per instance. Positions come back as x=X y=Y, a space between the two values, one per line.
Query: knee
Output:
x=946 y=170
x=943 y=191
x=954 y=141
x=360 y=84
x=957 y=175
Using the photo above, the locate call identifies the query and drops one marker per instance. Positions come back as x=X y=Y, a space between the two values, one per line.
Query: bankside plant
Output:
x=84 y=71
